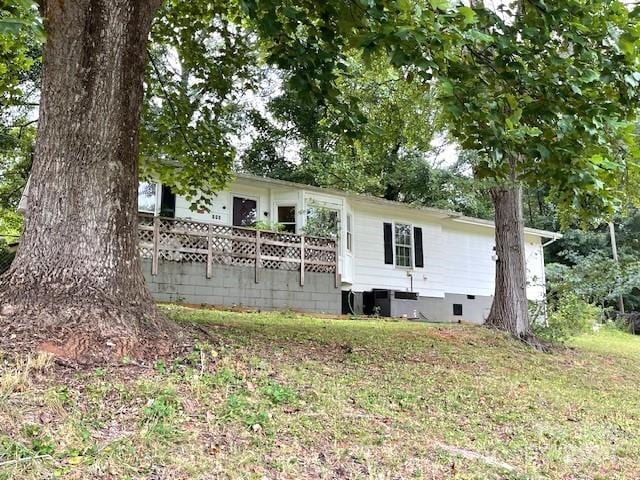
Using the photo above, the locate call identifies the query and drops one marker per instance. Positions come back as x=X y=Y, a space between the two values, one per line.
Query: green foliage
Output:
x=20 y=65
x=16 y=150
x=597 y=279
x=201 y=62
x=581 y=262
x=568 y=316
x=279 y=395
x=268 y=227
x=388 y=154
x=548 y=92
x=20 y=38
x=161 y=408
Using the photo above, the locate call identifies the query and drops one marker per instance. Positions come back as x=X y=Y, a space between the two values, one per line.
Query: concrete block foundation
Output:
x=236 y=286
x=451 y=308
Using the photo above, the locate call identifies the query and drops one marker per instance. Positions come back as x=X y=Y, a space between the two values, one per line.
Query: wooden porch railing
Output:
x=179 y=240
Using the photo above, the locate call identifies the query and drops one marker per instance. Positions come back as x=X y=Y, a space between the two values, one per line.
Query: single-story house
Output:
x=393 y=259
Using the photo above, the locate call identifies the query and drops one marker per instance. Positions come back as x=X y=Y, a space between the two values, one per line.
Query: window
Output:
x=245 y=212
x=322 y=222
x=403 y=245
x=147 y=197
x=287 y=218
x=457 y=309
x=349 y=235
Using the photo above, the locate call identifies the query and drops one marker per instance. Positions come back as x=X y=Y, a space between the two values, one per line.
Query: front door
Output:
x=245 y=212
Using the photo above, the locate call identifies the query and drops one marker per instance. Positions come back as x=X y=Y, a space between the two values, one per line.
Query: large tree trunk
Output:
x=509 y=311
x=75 y=287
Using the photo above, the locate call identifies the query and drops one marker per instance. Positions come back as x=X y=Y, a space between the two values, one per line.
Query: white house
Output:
x=394 y=259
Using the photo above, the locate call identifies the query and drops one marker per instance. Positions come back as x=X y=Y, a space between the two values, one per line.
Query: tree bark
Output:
x=75 y=287
x=509 y=311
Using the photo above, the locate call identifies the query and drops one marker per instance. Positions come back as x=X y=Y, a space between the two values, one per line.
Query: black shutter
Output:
x=417 y=238
x=167 y=203
x=388 y=244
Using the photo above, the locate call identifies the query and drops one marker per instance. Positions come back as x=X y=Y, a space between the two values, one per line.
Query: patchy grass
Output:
x=285 y=396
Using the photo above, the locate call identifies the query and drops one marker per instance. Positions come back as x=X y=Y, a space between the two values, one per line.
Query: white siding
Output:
x=457 y=255
x=458 y=258
x=471 y=268
x=221 y=207
x=370 y=271
x=468 y=250
x=219 y=210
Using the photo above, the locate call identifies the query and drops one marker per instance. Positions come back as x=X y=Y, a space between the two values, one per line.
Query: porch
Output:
x=205 y=263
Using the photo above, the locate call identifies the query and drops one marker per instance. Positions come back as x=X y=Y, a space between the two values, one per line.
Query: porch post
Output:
x=210 y=251
x=156 y=246
x=258 y=257
x=302 y=255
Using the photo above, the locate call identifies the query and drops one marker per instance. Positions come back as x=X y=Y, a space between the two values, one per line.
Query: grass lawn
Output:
x=283 y=396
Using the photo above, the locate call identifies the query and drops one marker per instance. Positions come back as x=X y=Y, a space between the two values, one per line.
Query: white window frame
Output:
x=349 y=232
x=155 y=210
x=411 y=247
x=328 y=206
x=295 y=215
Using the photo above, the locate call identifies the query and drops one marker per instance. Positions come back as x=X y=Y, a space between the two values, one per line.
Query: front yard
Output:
x=285 y=396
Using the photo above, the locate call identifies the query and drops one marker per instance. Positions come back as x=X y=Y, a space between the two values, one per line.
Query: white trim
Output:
x=156 y=209
x=348 y=235
x=295 y=215
x=488 y=223
x=411 y=265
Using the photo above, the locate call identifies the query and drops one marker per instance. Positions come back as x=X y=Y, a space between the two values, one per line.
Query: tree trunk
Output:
x=509 y=311
x=75 y=287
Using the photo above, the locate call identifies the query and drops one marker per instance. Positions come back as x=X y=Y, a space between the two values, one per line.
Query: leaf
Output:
x=478 y=36
x=543 y=150
x=589 y=75
x=11 y=25
x=440 y=4
x=469 y=16
x=447 y=88
x=627 y=43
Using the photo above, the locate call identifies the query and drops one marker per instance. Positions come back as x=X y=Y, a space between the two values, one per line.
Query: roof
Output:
x=369 y=199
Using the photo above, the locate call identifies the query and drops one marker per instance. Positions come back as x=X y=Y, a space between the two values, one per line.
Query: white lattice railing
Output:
x=179 y=240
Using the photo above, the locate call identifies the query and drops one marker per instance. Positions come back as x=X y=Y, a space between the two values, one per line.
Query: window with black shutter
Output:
x=417 y=238
x=388 y=243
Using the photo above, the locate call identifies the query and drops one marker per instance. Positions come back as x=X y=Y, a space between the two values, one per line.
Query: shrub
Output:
x=568 y=316
x=268 y=227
